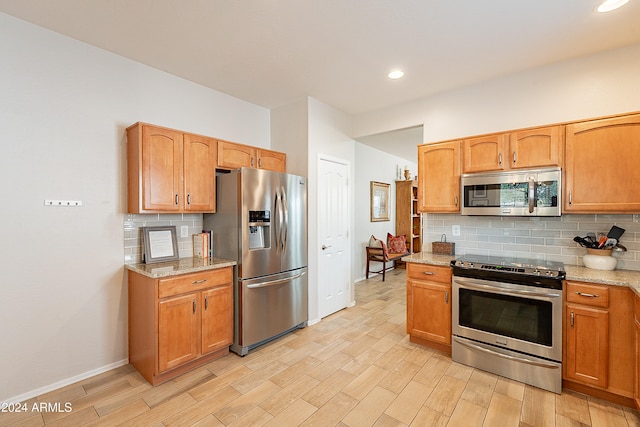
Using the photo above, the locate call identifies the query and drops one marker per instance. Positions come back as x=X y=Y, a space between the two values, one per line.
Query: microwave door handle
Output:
x=532 y=193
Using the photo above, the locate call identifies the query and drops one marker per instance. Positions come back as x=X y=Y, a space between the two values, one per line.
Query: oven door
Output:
x=521 y=318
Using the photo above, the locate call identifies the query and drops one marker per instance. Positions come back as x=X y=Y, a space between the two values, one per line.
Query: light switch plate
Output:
x=455 y=230
x=184 y=231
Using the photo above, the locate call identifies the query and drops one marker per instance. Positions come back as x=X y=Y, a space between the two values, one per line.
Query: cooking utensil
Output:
x=602 y=241
x=610 y=243
x=615 y=232
x=620 y=248
x=582 y=242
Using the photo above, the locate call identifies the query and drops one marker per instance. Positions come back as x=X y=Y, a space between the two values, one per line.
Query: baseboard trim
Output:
x=59 y=384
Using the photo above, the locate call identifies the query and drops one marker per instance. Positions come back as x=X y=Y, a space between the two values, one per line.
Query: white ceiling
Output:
x=273 y=52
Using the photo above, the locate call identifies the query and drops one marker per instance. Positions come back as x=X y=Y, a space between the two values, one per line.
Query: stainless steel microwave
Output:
x=532 y=192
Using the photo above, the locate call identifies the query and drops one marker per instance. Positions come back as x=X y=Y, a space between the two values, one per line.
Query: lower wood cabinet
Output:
x=636 y=386
x=599 y=340
x=180 y=322
x=429 y=305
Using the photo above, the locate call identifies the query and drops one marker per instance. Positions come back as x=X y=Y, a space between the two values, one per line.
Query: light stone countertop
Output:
x=181 y=266
x=629 y=278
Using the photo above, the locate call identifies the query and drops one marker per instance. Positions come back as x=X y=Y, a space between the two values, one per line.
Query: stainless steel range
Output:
x=507 y=318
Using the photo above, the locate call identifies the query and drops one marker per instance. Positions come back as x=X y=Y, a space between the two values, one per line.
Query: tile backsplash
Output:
x=133 y=233
x=548 y=238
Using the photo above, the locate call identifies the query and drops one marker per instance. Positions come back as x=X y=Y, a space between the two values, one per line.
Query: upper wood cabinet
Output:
x=529 y=148
x=169 y=171
x=601 y=166
x=233 y=156
x=485 y=153
x=439 y=177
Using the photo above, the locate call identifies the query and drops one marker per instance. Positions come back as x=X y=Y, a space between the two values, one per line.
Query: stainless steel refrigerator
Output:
x=261 y=222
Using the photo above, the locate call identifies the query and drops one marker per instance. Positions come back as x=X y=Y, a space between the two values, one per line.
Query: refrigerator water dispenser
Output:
x=259 y=232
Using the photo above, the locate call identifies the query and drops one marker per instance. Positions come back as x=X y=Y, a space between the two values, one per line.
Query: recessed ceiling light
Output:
x=396 y=74
x=609 y=5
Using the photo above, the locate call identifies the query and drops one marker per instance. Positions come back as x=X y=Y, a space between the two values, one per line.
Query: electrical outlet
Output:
x=184 y=231
x=455 y=230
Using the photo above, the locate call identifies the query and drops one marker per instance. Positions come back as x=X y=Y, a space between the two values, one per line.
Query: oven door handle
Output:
x=506 y=356
x=513 y=292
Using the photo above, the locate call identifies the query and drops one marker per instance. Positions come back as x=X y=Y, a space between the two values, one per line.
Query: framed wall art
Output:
x=380 y=203
x=159 y=243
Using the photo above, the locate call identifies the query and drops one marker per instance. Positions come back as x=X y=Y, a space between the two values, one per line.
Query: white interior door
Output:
x=334 y=222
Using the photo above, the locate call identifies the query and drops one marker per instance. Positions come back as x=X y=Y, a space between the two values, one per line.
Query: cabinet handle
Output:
x=259 y=163
x=176 y=199
x=252 y=161
x=500 y=159
x=446 y=297
x=455 y=200
x=582 y=294
x=194 y=306
x=429 y=273
x=206 y=303
x=572 y=319
x=196 y=282
x=188 y=199
x=514 y=157
x=570 y=198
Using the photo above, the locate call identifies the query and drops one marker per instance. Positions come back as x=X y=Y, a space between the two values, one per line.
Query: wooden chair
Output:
x=381 y=255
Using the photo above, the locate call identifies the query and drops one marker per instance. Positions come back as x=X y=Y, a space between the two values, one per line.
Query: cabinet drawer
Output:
x=429 y=272
x=194 y=282
x=588 y=294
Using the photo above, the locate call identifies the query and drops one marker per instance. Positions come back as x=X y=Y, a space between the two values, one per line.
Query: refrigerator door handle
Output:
x=275 y=282
x=285 y=221
x=276 y=209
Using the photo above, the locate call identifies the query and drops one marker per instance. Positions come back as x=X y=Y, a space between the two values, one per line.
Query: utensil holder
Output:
x=599 y=259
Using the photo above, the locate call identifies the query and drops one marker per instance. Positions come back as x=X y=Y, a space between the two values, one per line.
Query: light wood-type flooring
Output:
x=354 y=368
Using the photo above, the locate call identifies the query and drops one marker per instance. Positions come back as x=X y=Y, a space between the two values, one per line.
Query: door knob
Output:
x=325 y=247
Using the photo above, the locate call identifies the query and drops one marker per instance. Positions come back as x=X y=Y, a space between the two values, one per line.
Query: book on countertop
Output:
x=201 y=245
x=210 y=234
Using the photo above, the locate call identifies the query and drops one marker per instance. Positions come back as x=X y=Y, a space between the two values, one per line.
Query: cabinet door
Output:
x=429 y=311
x=177 y=330
x=536 y=147
x=439 y=177
x=199 y=173
x=636 y=386
x=234 y=156
x=161 y=169
x=485 y=153
x=272 y=160
x=601 y=164
x=587 y=345
x=217 y=318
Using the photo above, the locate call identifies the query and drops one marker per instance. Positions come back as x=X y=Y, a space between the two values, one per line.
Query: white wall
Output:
x=329 y=131
x=373 y=165
x=290 y=134
x=592 y=86
x=65 y=105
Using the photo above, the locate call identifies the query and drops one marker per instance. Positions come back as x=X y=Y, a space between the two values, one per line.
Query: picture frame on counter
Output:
x=159 y=244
